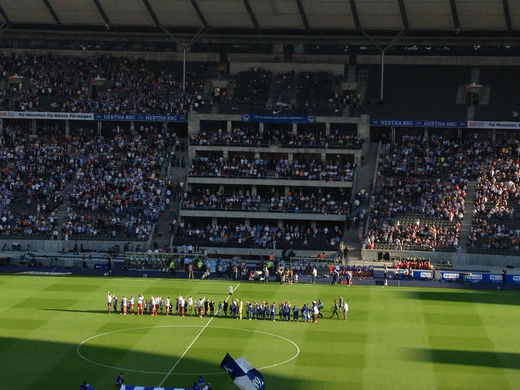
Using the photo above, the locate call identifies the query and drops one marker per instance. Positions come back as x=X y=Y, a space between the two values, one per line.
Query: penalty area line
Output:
x=191 y=344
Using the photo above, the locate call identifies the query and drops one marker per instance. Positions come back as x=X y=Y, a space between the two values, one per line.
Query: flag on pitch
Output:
x=126 y=387
x=244 y=375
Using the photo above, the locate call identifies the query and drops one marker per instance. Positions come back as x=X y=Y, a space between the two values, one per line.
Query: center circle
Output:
x=99 y=349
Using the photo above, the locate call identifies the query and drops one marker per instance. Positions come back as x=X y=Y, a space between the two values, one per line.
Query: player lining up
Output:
x=254 y=310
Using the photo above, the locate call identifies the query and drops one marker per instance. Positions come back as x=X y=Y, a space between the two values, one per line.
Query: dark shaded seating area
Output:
x=417 y=92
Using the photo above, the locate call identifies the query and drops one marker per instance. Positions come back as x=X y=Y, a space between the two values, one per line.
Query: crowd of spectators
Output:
x=245 y=135
x=232 y=167
x=100 y=84
x=114 y=183
x=117 y=184
x=426 y=196
x=420 y=196
x=413 y=263
x=262 y=236
x=335 y=140
x=498 y=183
x=421 y=235
x=440 y=156
x=329 y=170
x=357 y=271
x=493 y=237
x=315 y=201
x=34 y=170
x=234 y=200
x=494 y=227
x=245 y=167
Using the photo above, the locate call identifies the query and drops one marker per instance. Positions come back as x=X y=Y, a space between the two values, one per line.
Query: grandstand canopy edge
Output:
x=236 y=17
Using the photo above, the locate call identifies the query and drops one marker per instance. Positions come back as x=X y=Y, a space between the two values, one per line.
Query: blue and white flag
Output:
x=126 y=387
x=244 y=375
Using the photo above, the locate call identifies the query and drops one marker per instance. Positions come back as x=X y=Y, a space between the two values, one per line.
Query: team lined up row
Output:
x=237 y=308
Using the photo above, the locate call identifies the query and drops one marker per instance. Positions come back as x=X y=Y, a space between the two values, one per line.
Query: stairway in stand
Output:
x=162 y=236
x=364 y=177
x=469 y=210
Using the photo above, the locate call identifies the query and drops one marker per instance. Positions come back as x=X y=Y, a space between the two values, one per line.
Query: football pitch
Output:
x=55 y=333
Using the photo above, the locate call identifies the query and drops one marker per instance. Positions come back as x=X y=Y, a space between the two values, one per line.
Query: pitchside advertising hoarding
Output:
x=475 y=278
x=514 y=278
x=422 y=274
x=478 y=277
x=450 y=275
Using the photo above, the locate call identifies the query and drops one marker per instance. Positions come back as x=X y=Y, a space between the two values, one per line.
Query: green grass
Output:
x=396 y=338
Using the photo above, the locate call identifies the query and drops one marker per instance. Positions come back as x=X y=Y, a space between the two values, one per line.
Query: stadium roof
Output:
x=312 y=17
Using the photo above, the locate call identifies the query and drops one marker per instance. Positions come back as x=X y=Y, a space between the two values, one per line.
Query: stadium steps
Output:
x=475 y=75
x=486 y=93
x=469 y=210
x=364 y=177
x=351 y=74
x=470 y=114
x=459 y=98
x=62 y=210
x=362 y=83
x=162 y=235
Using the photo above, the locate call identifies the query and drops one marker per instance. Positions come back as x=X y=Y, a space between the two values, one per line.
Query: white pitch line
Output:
x=193 y=342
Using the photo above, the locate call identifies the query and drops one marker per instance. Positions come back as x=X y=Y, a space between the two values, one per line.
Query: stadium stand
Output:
x=110 y=186
x=101 y=84
x=123 y=181
x=501 y=106
x=495 y=227
x=427 y=92
x=420 y=196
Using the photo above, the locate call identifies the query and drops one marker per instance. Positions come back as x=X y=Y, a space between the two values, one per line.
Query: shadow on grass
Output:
x=48 y=365
x=480 y=296
x=466 y=358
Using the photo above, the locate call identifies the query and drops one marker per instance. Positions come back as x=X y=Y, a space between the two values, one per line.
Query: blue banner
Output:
x=278 y=118
x=494 y=278
x=418 y=123
x=513 y=278
x=475 y=278
x=450 y=275
x=64 y=116
x=140 y=117
x=417 y=274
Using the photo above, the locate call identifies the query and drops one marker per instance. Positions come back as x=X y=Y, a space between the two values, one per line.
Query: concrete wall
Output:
x=62 y=245
x=296 y=58
x=49 y=259
x=462 y=260
x=267 y=182
x=275 y=149
x=263 y=252
x=261 y=215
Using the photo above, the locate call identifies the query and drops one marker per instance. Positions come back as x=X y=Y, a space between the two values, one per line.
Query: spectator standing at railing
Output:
x=190 y=270
x=172 y=266
x=314 y=274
